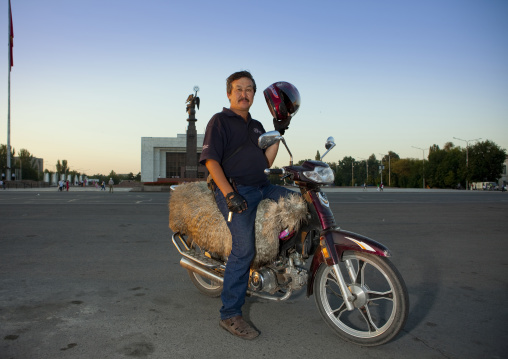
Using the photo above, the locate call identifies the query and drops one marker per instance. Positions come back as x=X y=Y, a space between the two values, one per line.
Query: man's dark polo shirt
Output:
x=225 y=133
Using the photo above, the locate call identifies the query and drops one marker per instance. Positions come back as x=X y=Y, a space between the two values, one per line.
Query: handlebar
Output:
x=274 y=171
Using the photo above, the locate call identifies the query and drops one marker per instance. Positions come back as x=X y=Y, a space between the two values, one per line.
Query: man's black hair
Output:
x=236 y=76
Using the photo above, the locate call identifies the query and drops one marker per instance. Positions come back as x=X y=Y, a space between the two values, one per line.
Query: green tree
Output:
x=373 y=170
x=114 y=176
x=387 y=161
x=65 y=168
x=446 y=167
x=485 y=161
x=408 y=173
x=26 y=162
x=361 y=171
x=318 y=156
x=62 y=168
x=344 y=172
x=3 y=158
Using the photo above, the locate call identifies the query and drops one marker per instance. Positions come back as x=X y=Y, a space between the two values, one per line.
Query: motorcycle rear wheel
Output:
x=206 y=286
x=381 y=304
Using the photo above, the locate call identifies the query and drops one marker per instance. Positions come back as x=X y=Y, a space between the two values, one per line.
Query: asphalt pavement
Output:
x=89 y=274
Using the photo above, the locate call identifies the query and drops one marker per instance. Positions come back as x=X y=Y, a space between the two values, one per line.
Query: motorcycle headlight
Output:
x=320 y=175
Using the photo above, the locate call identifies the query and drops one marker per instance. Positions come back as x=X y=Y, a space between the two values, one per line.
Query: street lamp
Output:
x=389 y=168
x=423 y=162
x=467 y=156
x=367 y=165
x=352 y=173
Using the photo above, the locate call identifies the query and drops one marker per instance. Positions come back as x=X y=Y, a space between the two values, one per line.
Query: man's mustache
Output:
x=243 y=98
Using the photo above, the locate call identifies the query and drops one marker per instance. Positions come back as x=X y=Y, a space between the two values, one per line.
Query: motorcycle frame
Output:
x=333 y=241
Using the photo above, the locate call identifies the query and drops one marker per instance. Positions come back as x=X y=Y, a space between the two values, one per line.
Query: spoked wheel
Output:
x=206 y=286
x=381 y=299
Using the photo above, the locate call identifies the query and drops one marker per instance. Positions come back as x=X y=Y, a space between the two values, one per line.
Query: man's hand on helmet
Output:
x=236 y=203
x=281 y=126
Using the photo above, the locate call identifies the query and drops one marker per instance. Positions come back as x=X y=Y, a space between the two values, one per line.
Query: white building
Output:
x=164 y=157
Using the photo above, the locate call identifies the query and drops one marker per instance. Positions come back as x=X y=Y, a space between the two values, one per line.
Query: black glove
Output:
x=281 y=126
x=236 y=203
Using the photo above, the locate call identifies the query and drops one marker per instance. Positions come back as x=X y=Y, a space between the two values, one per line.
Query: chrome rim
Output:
x=375 y=303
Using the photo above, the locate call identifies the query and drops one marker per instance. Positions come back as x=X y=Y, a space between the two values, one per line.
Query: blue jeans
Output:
x=236 y=276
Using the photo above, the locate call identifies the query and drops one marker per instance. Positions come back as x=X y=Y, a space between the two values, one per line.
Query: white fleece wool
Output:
x=193 y=212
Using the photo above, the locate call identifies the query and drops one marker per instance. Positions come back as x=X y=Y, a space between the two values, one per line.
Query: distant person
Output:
x=103 y=186
x=364 y=186
x=381 y=187
x=2 y=184
x=111 y=183
x=67 y=185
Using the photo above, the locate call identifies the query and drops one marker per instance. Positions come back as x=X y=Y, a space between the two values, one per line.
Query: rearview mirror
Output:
x=330 y=143
x=269 y=138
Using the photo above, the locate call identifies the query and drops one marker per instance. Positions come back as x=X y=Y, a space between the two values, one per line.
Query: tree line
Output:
x=26 y=161
x=449 y=167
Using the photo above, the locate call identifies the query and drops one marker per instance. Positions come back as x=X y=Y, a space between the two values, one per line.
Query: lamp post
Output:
x=467 y=156
x=389 y=169
x=367 y=168
x=423 y=163
x=381 y=168
x=352 y=173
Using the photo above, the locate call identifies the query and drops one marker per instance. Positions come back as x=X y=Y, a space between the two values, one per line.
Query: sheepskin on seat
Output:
x=193 y=212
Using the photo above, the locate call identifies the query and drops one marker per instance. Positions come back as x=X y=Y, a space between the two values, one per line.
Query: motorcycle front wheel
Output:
x=381 y=303
x=206 y=286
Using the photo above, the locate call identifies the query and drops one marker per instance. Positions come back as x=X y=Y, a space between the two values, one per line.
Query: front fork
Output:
x=334 y=242
x=331 y=256
x=349 y=297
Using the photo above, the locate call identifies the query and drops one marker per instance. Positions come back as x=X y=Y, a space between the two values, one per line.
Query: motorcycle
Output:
x=358 y=291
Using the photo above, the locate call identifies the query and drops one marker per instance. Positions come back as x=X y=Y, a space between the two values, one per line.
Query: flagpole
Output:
x=8 y=177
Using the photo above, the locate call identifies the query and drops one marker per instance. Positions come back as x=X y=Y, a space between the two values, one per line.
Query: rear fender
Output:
x=342 y=241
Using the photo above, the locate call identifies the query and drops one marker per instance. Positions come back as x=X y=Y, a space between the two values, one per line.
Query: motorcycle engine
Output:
x=297 y=274
x=288 y=275
x=264 y=279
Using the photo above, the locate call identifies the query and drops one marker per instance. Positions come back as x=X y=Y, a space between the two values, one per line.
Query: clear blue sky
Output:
x=90 y=78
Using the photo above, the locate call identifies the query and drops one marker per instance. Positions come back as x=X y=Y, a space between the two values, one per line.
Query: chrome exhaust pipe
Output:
x=198 y=269
x=209 y=274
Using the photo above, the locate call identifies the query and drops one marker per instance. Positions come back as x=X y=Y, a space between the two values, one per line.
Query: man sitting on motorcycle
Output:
x=236 y=165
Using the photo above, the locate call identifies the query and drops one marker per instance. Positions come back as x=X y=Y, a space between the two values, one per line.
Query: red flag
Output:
x=11 y=36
